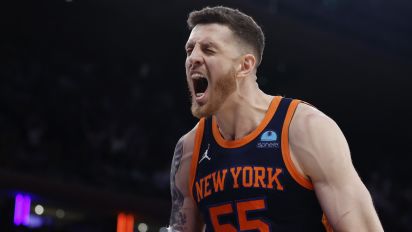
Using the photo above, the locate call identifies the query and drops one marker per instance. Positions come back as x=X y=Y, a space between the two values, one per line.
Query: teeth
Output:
x=199 y=94
x=198 y=76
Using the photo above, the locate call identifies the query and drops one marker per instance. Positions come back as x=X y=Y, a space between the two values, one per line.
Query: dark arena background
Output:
x=93 y=99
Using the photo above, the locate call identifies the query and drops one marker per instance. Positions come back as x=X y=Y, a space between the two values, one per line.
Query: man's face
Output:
x=211 y=65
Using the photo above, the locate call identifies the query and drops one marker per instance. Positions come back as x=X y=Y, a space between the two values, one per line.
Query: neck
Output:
x=243 y=111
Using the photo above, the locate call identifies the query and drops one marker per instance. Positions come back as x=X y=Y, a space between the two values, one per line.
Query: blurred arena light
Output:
x=60 y=213
x=125 y=223
x=35 y=221
x=39 y=209
x=142 y=227
x=22 y=209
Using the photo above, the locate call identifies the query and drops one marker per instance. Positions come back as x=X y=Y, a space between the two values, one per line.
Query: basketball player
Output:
x=256 y=162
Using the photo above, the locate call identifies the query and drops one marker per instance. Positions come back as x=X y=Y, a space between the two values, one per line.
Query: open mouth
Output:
x=200 y=86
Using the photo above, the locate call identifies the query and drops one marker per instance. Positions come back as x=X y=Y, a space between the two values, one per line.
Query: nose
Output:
x=195 y=57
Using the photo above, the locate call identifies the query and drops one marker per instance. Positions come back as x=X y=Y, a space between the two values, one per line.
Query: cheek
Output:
x=220 y=69
x=215 y=66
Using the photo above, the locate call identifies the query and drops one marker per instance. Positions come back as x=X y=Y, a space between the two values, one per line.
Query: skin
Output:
x=321 y=153
x=184 y=214
x=318 y=148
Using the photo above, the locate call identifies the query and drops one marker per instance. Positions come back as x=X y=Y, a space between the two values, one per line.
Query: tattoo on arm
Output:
x=178 y=217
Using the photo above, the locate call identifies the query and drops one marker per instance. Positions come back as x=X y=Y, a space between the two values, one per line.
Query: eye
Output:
x=209 y=51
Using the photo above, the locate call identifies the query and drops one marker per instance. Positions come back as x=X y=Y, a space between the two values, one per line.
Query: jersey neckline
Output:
x=251 y=136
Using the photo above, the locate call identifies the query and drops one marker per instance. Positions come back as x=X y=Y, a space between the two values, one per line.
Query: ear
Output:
x=247 y=65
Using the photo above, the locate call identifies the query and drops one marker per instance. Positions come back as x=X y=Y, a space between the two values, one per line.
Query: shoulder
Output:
x=316 y=140
x=187 y=141
x=184 y=148
x=309 y=121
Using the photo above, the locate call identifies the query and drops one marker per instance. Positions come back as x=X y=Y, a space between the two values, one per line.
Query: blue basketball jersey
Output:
x=251 y=184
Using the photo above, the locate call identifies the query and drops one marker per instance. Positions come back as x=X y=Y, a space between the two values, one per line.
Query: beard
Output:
x=220 y=91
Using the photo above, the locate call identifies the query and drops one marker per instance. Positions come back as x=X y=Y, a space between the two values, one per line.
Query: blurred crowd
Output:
x=104 y=124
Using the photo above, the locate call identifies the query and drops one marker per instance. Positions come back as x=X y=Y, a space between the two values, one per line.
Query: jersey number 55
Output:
x=242 y=208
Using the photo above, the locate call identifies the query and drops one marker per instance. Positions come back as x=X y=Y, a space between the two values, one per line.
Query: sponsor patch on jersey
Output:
x=268 y=140
x=268 y=136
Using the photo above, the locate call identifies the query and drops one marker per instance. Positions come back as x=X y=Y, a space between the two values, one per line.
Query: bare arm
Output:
x=184 y=215
x=178 y=216
x=322 y=153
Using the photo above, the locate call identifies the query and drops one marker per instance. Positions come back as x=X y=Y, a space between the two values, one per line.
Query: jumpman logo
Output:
x=205 y=156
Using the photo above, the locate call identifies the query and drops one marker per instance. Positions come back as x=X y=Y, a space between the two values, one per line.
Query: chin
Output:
x=203 y=111
x=200 y=111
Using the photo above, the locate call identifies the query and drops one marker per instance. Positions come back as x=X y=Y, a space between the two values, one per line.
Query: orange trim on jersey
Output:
x=195 y=155
x=240 y=142
x=326 y=224
x=298 y=177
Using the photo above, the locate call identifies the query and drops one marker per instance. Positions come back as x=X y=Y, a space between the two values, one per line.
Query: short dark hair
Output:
x=242 y=25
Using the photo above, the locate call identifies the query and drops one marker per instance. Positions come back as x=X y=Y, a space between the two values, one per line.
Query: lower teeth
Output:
x=199 y=94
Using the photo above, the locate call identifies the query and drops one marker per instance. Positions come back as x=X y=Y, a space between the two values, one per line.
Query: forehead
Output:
x=211 y=33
